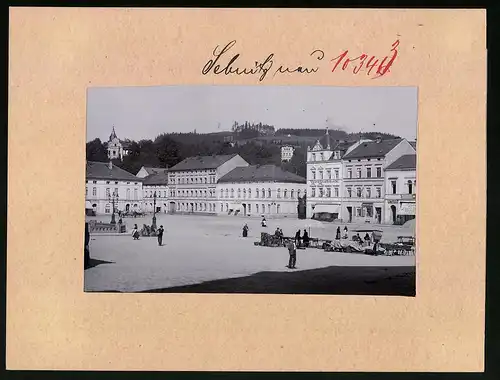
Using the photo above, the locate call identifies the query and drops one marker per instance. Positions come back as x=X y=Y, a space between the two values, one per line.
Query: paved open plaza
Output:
x=199 y=249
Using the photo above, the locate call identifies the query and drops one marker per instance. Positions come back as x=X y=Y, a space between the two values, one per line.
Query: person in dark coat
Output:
x=292 y=251
x=297 y=238
x=245 y=230
x=135 y=232
x=86 y=252
x=305 y=239
x=367 y=239
x=337 y=236
x=160 y=235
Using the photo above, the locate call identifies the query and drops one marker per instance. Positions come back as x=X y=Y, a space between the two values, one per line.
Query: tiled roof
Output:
x=202 y=162
x=406 y=162
x=157 y=178
x=101 y=170
x=264 y=173
x=373 y=149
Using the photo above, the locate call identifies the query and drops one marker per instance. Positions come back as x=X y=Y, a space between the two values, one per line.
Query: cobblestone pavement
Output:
x=205 y=248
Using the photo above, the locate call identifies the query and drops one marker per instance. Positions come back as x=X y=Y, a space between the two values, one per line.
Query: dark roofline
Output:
x=230 y=156
x=349 y=156
x=132 y=178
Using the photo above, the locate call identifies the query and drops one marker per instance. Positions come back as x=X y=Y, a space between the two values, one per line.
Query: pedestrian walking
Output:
x=135 y=232
x=245 y=230
x=297 y=238
x=305 y=238
x=264 y=222
x=292 y=251
x=160 y=235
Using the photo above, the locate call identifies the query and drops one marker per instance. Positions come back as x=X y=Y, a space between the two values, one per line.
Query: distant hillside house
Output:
x=117 y=148
x=155 y=191
x=193 y=182
x=287 y=152
x=260 y=190
x=105 y=181
x=145 y=171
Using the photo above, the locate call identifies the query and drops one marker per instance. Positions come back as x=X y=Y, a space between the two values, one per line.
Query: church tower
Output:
x=115 y=148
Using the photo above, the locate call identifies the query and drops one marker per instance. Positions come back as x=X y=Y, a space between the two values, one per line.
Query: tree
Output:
x=96 y=151
x=297 y=164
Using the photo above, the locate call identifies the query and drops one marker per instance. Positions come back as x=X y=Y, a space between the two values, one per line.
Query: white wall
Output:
x=226 y=167
x=281 y=202
x=403 y=148
x=129 y=192
x=162 y=197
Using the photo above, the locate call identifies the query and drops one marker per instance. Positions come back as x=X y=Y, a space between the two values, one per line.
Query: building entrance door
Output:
x=349 y=216
x=378 y=212
x=244 y=209
x=393 y=212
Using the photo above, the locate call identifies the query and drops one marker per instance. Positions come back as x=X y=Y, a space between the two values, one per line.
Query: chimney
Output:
x=379 y=139
x=110 y=165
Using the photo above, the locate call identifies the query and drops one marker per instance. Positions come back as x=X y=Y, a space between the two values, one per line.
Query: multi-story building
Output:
x=259 y=190
x=324 y=177
x=155 y=191
x=117 y=149
x=193 y=182
x=400 y=189
x=364 y=178
x=287 y=152
x=146 y=170
x=107 y=183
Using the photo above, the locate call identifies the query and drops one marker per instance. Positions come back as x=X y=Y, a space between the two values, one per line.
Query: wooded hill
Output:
x=168 y=149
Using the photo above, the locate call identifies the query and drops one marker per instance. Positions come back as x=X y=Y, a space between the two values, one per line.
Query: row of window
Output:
x=327 y=192
x=326 y=175
x=410 y=186
x=193 y=207
x=193 y=193
x=184 y=180
x=259 y=193
x=325 y=156
x=159 y=193
x=108 y=193
x=109 y=182
x=368 y=173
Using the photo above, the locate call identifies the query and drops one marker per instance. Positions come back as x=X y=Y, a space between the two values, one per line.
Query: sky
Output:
x=145 y=112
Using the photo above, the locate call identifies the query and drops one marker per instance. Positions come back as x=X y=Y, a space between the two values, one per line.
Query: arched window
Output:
x=269 y=193
x=244 y=193
x=256 y=193
x=221 y=207
x=277 y=209
x=221 y=193
x=263 y=208
x=249 y=193
x=278 y=193
x=239 y=193
x=263 y=192
x=232 y=193
x=285 y=193
x=107 y=208
x=227 y=193
x=292 y=193
x=227 y=207
x=410 y=187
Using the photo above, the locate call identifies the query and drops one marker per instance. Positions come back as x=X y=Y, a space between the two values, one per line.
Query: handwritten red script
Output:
x=224 y=62
x=366 y=63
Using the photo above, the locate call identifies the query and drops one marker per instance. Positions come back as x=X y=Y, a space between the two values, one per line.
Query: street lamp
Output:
x=153 y=225
x=112 y=198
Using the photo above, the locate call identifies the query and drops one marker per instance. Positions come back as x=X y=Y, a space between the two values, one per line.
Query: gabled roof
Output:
x=202 y=162
x=263 y=173
x=373 y=149
x=406 y=162
x=151 y=170
x=157 y=178
x=413 y=144
x=101 y=170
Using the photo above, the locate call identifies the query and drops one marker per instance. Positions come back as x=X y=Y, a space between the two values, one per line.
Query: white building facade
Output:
x=193 y=182
x=156 y=192
x=287 y=152
x=260 y=190
x=324 y=178
x=401 y=190
x=106 y=183
x=364 y=179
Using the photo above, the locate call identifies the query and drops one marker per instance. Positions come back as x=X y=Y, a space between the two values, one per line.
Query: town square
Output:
x=252 y=208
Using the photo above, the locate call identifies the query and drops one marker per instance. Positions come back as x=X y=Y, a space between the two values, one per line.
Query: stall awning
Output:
x=333 y=209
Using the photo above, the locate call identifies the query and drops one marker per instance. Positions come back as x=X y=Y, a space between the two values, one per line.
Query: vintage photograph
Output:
x=251 y=189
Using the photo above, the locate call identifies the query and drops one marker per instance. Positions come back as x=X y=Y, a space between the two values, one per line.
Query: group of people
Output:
x=159 y=234
x=345 y=235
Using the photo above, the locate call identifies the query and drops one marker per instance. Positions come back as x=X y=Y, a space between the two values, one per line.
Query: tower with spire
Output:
x=115 y=146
